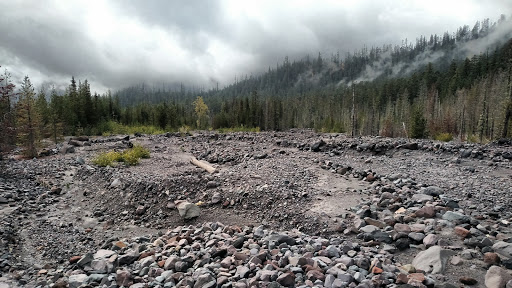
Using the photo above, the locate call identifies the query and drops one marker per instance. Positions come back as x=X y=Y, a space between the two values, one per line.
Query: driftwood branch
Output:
x=200 y=164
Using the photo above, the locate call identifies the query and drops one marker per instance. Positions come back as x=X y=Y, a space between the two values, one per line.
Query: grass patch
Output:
x=113 y=128
x=130 y=157
x=185 y=130
x=107 y=158
x=475 y=139
x=445 y=137
x=239 y=129
x=139 y=151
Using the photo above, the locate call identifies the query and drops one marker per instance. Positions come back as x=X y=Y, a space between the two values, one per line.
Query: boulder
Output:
x=433 y=191
x=77 y=280
x=430 y=240
x=503 y=248
x=216 y=198
x=68 y=149
x=426 y=212
x=455 y=217
x=128 y=257
x=410 y=146
x=205 y=280
x=316 y=147
x=116 y=183
x=124 y=278
x=491 y=258
x=187 y=210
x=402 y=228
x=497 y=277
x=368 y=229
x=75 y=143
x=286 y=279
x=433 y=260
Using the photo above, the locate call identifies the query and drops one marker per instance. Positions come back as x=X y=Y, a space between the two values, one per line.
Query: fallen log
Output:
x=200 y=164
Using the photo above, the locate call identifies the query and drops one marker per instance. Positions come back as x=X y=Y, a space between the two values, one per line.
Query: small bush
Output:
x=129 y=157
x=445 y=137
x=185 y=130
x=418 y=124
x=139 y=151
x=475 y=139
x=107 y=158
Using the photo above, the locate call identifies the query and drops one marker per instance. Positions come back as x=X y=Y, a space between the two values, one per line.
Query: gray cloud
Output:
x=119 y=43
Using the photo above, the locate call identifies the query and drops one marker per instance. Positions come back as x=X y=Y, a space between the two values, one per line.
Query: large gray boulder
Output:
x=497 y=277
x=187 y=210
x=433 y=260
x=455 y=217
x=503 y=248
x=77 y=280
x=433 y=191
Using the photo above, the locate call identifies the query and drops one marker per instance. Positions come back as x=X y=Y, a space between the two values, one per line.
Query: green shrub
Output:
x=139 y=151
x=129 y=157
x=184 y=130
x=418 y=124
x=107 y=158
x=445 y=137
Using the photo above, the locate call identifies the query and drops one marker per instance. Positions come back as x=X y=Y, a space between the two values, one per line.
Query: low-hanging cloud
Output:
x=115 y=44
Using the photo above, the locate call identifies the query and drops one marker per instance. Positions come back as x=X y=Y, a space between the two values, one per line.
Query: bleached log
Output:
x=209 y=168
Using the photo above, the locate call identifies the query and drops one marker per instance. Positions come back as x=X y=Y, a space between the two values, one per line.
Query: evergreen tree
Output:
x=28 y=119
x=7 y=129
x=56 y=111
x=43 y=111
x=418 y=124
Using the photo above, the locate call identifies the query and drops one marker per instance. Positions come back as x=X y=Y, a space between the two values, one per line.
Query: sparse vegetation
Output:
x=445 y=137
x=114 y=128
x=238 y=129
x=130 y=156
x=185 y=130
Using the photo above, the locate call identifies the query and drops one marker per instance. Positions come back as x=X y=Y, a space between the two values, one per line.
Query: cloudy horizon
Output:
x=116 y=44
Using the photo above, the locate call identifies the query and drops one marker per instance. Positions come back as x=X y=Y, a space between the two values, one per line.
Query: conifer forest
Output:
x=451 y=86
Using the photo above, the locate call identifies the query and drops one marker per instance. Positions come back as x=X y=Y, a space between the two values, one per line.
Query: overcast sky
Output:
x=115 y=44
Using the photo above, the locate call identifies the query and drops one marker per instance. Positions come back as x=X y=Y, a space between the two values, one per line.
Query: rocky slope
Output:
x=293 y=209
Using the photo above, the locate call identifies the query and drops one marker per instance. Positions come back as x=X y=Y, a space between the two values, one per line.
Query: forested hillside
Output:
x=456 y=84
x=442 y=86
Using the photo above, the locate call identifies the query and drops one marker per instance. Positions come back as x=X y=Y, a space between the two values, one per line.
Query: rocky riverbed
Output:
x=292 y=209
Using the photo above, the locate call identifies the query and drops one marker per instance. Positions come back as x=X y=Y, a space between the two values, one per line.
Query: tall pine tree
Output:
x=28 y=119
x=7 y=131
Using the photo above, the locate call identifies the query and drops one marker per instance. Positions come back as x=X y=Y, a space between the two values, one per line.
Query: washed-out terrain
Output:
x=292 y=209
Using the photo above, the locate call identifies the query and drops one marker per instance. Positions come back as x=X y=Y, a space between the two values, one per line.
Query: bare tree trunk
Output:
x=462 y=122
x=508 y=113
x=353 y=110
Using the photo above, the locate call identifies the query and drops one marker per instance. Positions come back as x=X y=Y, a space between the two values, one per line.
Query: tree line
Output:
x=29 y=116
x=469 y=98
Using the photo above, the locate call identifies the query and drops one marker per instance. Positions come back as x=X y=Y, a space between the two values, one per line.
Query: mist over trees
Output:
x=437 y=87
x=430 y=88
